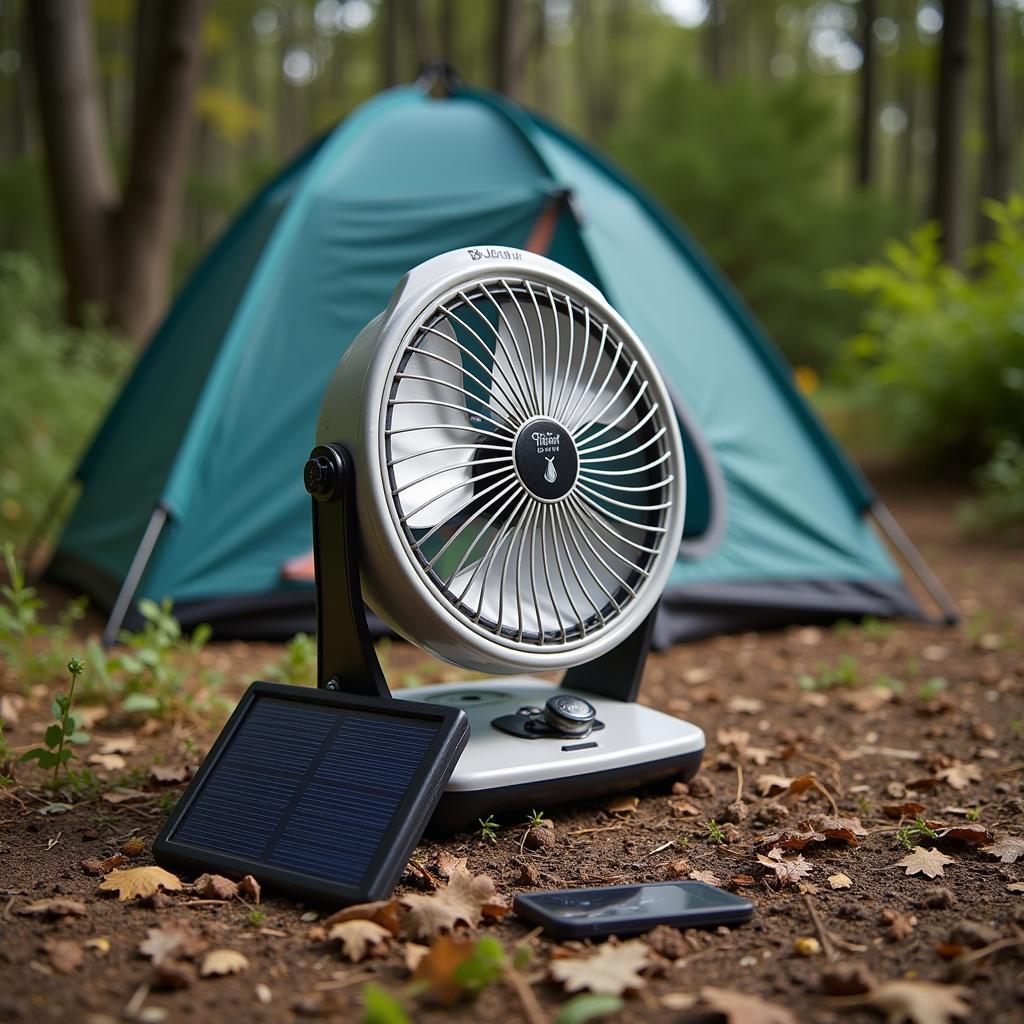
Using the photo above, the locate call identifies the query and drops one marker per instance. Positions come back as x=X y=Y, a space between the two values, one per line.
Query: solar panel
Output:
x=322 y=795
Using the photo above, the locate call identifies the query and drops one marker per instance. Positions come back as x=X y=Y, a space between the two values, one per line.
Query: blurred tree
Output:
x=714 y=39
x=391 y=38
x=116 y=244
x=998 y=158
x=866 y=136
x=509 y=46
x=949 y=197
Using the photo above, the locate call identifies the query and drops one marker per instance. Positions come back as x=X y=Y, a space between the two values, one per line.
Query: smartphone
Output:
x=631 y=909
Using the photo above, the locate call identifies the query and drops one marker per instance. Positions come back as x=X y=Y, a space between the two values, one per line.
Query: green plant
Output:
x=6 y=755
x=863 y=805
x=257 y=917
x=380 y=1007
x=942 y=351
x=930 y=689
x=877 y=630
x=974 y=813
x=535 y=819
x=846 y=673
x=483 y=967
x=488 y=828
x=714 y=831
x=298 y=664
x=56 y=752
x=999 y=507
x=588 y=1006
x=910 y=835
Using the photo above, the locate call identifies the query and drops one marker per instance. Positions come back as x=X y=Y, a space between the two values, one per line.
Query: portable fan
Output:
x=500 y=473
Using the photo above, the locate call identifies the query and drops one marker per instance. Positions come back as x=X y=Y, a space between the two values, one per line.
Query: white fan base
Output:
x=498 y=770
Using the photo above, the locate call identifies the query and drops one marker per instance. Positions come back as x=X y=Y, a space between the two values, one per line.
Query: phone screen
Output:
x=634 y=901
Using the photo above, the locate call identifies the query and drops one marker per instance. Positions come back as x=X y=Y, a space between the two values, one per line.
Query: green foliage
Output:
x=382 y=1008
x=941 y=353
x=587 y=1007
x=535 y=819
x=714 y=831
x=911 y=835
x=6 y=756
x=845 y=673
x=256 y=917
x=55 y=753
x=999 y=507
x=484 y=966
x=754 y=170
x=55 y=381
x=930 y=689
x=298 y=665
x=488 y=828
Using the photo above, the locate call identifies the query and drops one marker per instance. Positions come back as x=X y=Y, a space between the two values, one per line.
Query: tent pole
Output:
x=905 y=546
x=134 y=575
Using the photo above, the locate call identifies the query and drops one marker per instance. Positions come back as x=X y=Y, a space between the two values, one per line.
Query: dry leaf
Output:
x=683 y=808
x=788 y=840
x=1015 y=887
x=612 y=971
x=129 y=883
x=924 y=861
x=171 y=940
x=707 y=877
x=623 y=805
x=844 y=830
x=108 y=762
x=736 y=743
x=215 y=887
x=413 y=955
x=170 y=772
x=56 y=907
x=133 y=847
x=223 y=961
x=770 y=785
x=123 y=796
x=739 y=705
x=11 y=705
x=248 y=886
x=740 y=1009
x=64 y=956
x=920 y=1002
x=382 y=912
x=436 y=969
x=959 y=775
x=840 y=881
x=119 y=745
x=1007 y=849
x=97 y=867
x=360 y=939
x=678 y=868
x=969 y=833
x=786 y=871
x=448 y=862
x=899 y=925
x=466 y=899
x=906 y=809
x=100 y=943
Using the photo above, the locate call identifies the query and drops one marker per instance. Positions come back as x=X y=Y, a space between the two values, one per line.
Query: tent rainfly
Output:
x=192 y=488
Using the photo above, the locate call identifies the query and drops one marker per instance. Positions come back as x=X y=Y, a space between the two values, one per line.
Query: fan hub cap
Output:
x=546 y=459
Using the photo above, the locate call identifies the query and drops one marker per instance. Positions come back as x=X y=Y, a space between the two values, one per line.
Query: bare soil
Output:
x=866 y=752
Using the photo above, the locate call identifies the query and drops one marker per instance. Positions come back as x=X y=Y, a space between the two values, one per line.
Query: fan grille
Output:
x=527 y=462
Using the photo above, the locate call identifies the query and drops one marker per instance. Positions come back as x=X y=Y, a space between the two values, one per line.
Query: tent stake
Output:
x=134 y=575
x=905 y=546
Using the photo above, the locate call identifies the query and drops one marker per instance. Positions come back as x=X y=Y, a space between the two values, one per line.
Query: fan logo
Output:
x=494 y=254
x=547 y=442
x=550 y=473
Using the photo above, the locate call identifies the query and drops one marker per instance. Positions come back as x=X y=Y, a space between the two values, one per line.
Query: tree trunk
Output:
x=508 y=48
x=998 y=154
x=866 y=138
x=147 y=221
x=449 y=32
x=81 y=177
x=714 y=40
x=949 y=193
x=390 y=41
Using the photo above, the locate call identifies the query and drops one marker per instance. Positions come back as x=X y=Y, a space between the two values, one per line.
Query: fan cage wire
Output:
x=599 y=543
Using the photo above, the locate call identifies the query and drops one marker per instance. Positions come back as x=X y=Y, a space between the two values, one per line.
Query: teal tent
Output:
x=192 y=488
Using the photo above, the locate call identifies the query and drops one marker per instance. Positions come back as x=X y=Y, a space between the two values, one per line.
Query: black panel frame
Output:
x=398 y=841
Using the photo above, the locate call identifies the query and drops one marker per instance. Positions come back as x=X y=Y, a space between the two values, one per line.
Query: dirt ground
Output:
x=805 y=701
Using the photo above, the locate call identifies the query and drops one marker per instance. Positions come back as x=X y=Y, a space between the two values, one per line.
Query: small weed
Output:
x=884 y=682
x=846 y=673
x=6 y=757
x=877 y=629
x=298 y=665
x=56 y=752
x=535 y=819
x=488 y=828
x=931 y=689
x=482 y=968
x=380 y=1007
x=974 y=813
x=909 y=836
x=1016 y=727
x=256 y=918
x=863 y=805
x=168 y=801
x=714 y=831
x=104 y=819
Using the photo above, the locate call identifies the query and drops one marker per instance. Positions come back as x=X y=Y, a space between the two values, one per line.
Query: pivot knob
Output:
x=569 y=715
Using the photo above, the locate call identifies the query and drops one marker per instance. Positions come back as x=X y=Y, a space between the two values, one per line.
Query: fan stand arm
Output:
x=345 y=658
x=616 y=674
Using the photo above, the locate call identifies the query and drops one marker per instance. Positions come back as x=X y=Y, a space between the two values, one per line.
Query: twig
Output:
x=739 y=781
x=823 y=936
x=992 y=947
x=850 y=947
x=532 y=1009
x=827 y=795
x=657 y=849
x=134 y=1006
x=329 y=986
x=606 y=828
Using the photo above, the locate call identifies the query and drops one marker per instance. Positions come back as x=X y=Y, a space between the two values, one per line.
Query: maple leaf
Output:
x=108 y=762
x=223 y=961
x=899 y=925
x=920 y=1002
x=786 y=871
x=448 y=862
x=174 y=939
x=248 y=886
x=170 y=773
x=737 y=1008
x=129 y=883
x=56 y=907
x=845 y=830
x=959 y=775
x=466 y=899
x=839 y=881
x=972 y=834
x=381 y=912
x=119 y=745
x=924 y=861
x=64 y=956
x=771 y=785
x=614 y=970
x=707 y=877
x=360 y=938
x=216 y=887
x=1007 y=849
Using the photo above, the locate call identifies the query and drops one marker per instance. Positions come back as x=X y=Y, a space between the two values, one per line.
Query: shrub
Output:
x=999 y=508
x=55 y=381
x=941 y=353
